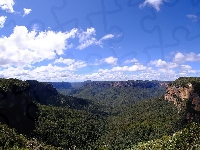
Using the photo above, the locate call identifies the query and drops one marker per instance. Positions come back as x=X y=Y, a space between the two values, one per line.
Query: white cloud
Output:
x=2 y=21
x=190 y=57
x=86 y=38
x=179 y=58
x=76 y=65
x=35 y=27
x=185 y=68
x=7 y=5
x=71 y=63
x=158 y=63
x=110 y=60
x=108 y=36
x=172 y=65
x=24 y=47
x=192 y=16
x=136 y=67
x=26 y=11
x=64 y=61
x=58 y=73
x=154 y=3
x=134 y=60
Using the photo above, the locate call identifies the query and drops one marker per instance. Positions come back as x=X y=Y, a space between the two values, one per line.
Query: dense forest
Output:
x=94 y=115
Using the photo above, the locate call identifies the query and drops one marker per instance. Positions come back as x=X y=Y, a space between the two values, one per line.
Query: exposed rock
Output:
x=181 y=94
x=185 y=97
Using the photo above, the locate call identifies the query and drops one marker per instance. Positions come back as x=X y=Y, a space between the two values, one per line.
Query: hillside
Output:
x=140 y=117
x=187 y=138
x=115 y=95
x=184 y=94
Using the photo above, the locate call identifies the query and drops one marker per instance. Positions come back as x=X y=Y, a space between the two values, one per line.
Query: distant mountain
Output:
x=60 y=85
x=129 y=83
x=117 y=94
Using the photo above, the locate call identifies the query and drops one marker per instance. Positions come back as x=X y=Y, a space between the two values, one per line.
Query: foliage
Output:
x=101 y=118
x=14 y=85
x=183 y=81
x=67 y=127
x=113 y=99
x=143 y=121
x=188 y=139
x=10 y=139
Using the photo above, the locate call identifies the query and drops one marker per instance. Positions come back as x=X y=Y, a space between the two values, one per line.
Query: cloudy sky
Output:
x=77 y=40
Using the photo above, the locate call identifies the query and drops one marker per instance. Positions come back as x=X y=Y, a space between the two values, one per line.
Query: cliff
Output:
x=184 y=93
x=17 y=108
x=18 y=100
x=44 y=93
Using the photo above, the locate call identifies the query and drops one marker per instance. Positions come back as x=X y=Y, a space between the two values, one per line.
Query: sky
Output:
x=73 y=41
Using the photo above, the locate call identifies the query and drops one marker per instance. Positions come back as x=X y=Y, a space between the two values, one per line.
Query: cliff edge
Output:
x=185 y=94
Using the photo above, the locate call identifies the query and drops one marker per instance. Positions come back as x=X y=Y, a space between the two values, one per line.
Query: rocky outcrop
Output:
x=179 y=96
x=185 y=97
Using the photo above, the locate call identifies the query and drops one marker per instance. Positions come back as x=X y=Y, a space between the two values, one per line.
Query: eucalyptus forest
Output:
x=97 y=115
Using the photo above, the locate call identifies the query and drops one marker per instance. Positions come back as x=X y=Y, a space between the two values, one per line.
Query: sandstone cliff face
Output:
x=185 y=96
x=174 y=93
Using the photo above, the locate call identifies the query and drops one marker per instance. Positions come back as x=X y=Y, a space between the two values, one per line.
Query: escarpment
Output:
x=184 y=93
x=17 y=108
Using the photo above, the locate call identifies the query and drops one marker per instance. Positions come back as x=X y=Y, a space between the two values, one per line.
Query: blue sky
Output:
x=99 y=40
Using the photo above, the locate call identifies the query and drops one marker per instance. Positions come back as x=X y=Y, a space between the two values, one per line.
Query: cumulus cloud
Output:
x=158 y=63
x=179 y=58
x=2 y=21
x=71 y=63
x=64 y=61
x=110 y=60
x=185 y=68
x=154 y=3
x=86 y=38
x=59 y=73
x=134 y=60
x=136 y=67
x=190 y=57
x=24 y=47
x=26 y=11
x=7 y=5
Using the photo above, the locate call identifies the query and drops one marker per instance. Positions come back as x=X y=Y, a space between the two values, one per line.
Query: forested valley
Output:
x=98 y=115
